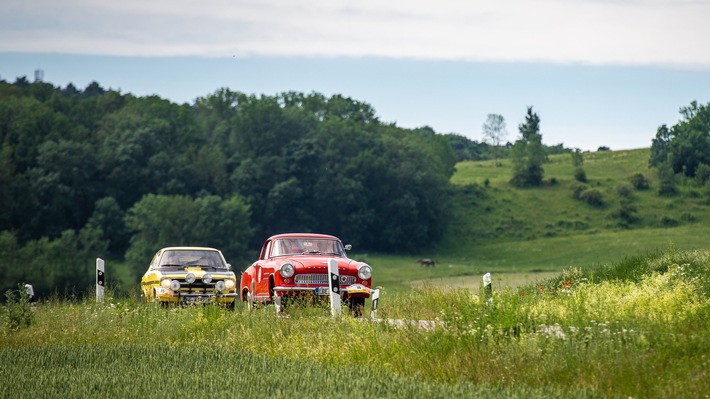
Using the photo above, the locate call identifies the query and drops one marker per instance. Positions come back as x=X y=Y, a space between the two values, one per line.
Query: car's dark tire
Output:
x=356 y=306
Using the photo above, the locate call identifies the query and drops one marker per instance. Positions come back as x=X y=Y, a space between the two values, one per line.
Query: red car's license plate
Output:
x=322 y=290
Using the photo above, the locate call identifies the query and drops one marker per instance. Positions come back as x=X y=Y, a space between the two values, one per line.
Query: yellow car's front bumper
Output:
x=166 y=295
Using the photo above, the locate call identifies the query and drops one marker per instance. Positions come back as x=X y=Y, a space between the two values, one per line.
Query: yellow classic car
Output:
x=183 y=275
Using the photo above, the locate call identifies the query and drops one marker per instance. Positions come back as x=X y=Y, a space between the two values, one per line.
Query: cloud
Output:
x=631 y=32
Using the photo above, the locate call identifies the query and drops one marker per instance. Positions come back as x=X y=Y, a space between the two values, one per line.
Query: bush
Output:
x=625 y=189
x=592 y=197
x=577 y=189
x=702 y=174
x=668 y=221
x=580 y=175
x=639 y=181
x=688 y=217
x=627 y=213
x=667 y=180
x=19 y=311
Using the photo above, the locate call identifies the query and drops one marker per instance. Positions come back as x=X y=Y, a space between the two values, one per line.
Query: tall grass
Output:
x=638 y=328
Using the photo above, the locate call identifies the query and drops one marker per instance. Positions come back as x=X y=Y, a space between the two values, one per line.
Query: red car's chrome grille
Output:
x=321 y=279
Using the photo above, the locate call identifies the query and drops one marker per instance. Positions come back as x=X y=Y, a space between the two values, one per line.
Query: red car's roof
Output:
x=307 y=235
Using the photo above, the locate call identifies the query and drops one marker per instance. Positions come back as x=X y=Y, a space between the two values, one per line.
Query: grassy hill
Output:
x=519 y=233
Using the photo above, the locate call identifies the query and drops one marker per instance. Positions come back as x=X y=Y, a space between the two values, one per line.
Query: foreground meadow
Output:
x=637 y=328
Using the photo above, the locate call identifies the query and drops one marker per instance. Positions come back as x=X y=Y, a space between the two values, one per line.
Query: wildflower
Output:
x=540 y=289
x=567 y=285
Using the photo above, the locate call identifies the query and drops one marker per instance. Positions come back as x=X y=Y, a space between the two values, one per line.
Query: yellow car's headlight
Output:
x=169 y=283
x=229 y=284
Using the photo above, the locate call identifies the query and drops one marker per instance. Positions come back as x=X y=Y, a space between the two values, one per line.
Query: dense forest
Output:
x=96 y=172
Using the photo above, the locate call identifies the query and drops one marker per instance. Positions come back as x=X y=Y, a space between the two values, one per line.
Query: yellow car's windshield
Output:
x=192 y=258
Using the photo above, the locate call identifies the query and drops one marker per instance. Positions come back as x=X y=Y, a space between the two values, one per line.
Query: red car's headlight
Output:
x=364 y=272
x=287 y=270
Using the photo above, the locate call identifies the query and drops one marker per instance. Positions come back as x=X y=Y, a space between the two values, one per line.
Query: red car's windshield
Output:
x=300 y=246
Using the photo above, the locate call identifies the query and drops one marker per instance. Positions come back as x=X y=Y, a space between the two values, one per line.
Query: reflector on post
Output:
x=488 y=288
x=334 y=284
x=375 y=301
x=99 y=280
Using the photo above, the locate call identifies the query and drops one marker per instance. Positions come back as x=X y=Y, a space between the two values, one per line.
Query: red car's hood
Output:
x=319 y=264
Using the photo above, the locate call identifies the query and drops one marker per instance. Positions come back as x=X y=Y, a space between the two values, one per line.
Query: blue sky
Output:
x=597 y=72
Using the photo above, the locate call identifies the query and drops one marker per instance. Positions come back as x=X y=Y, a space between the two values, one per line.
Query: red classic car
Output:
x=296 y=265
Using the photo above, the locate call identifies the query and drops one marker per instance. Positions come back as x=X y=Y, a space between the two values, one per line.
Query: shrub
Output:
x=668 y=221
x=627 y=213
x=580 y=175
x=19 y=311
x=625 y=189
x=688 y=217
x=667 y=180
x=592 y=197
x=639 y=181
x=702 y=174
x=577 y=189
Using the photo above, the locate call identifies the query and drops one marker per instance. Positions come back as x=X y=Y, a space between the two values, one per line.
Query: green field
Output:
x=639 y=328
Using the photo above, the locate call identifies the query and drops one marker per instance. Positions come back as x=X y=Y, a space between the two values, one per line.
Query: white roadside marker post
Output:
x=488 y=288
x=30 y=291
x=99 y=280
x=375 y=300
x=250 y=298
x=277 y=304
x=334 y=284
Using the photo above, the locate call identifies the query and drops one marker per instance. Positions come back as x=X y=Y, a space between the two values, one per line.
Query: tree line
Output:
x=96 y=172
x=683 y=150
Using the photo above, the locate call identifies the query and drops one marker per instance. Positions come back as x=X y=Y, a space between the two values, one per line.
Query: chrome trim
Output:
x=322 y=278
x=303 y=289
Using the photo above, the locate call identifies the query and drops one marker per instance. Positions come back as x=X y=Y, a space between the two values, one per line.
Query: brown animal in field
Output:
x=426 y=262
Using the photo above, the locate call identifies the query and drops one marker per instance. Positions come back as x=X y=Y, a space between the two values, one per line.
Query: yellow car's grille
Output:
x=321 y=279
x=198 y=286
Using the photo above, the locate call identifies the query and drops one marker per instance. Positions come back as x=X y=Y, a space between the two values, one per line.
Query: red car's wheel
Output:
x=356 y=306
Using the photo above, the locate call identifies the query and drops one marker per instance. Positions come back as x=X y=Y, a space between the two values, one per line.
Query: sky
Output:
x=596 y=72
